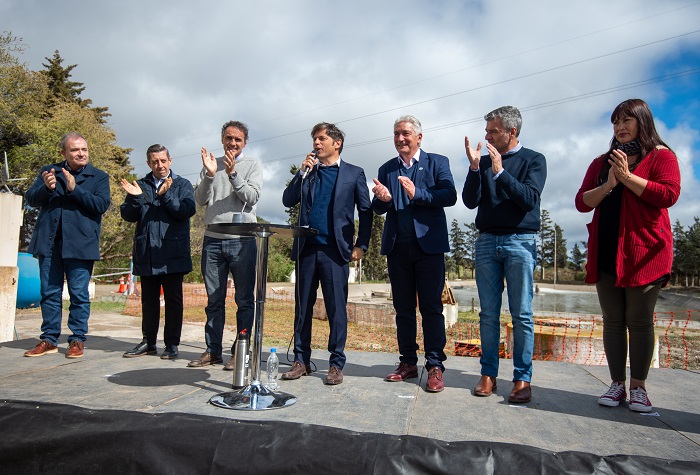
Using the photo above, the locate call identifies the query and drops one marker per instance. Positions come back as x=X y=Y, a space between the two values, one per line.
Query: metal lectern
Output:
x=256 y=396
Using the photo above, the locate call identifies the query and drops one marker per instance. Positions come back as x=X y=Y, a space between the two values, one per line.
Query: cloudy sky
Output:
x=173 y=72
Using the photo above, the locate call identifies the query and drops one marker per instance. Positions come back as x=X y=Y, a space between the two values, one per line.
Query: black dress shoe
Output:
x=170 y=353
x=140 y=350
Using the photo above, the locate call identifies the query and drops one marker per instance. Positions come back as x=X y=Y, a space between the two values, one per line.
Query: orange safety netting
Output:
x=371 y=327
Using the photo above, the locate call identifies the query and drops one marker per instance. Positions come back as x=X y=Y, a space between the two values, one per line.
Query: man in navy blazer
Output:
x=329 y=189
x=413 y=189
x=161 y=204
x=71 y=196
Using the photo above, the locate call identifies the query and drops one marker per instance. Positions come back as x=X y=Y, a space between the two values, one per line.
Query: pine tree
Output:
x=470 y=246
x=578 y=258
x=293 y=212
x=545 y=256
x=63 y=89
x=562 y=253
x=459 y=251
x=373 y=263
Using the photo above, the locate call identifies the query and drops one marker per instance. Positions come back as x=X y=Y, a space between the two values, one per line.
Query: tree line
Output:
x=555 y=260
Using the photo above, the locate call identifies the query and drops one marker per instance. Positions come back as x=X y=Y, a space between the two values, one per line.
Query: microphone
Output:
x=306 y=172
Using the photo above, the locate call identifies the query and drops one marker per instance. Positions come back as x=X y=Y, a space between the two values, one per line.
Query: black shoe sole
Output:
x=169 y=357
x=136 y=355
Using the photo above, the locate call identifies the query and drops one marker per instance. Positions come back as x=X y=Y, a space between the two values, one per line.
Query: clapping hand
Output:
x=381 y=191
x=49 y=179
x=408 y=186
x=70 y=179
x=209 y=162
x=474 y=156
x=131 y=188
x=165 y=186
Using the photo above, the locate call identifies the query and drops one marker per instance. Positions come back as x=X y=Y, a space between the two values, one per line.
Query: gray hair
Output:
x=510 y=118
x=236 y=125
x=69 y=136
x=156 y=148
x=415 y=123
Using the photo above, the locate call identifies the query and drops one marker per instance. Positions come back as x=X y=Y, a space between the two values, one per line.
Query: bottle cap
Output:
x=273 y=350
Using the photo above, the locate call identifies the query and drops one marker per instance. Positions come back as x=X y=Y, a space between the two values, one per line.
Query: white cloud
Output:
x=173 y=72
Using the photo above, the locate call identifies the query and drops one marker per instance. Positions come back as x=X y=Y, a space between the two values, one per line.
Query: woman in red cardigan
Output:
x=630 y=243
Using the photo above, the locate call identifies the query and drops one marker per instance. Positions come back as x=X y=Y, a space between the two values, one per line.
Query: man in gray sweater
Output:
x=229 y=188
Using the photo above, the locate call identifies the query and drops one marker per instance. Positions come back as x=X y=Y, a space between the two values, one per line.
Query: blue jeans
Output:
x=52 y=269
x=511 y=256
x=219 y=257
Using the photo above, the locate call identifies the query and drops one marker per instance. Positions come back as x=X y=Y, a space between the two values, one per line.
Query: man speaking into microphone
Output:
x=329 y=189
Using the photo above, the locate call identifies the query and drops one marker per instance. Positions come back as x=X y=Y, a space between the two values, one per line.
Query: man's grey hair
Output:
x=510 y=118
x=236 y=125
x=415 y=123
x=69 y=136
x=156 y=148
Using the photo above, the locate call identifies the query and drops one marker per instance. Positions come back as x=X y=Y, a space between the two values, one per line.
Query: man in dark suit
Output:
x=72 y=196
x=329 y=189
x=161 y=204
x=413 y=189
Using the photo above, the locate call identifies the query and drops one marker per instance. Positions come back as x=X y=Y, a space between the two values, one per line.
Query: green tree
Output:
x=562 y=253
x=680 y=251
x=545 y=256
x=691 y=252
x=63 y=89
x=578 y=258
x=459 y=251
x=470 y=246
x=293 y=212
x=32 y=121
x=373 y=263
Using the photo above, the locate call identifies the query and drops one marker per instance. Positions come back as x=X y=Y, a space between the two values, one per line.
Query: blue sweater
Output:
x=511 y=203
x=321 y=216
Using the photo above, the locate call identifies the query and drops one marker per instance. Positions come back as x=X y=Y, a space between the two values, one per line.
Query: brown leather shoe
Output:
x=403 y=372
x=43 y=348
x=335 y=376
x=434 y=383
x=298 y=370
x=205 y=360
x=230 y=364
x=521 y=393
x=486 y=386
x=75 y=349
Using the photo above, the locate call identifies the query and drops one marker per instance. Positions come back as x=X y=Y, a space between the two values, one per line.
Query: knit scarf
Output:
x=629 y=148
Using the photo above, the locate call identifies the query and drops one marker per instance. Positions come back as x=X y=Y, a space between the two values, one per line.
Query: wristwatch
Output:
x=233 y=175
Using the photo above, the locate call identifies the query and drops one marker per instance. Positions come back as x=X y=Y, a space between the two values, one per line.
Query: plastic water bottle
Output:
x=273 y=368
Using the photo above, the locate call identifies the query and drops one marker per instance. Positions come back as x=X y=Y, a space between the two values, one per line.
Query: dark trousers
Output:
x=150 y=305
x=627 y=309
x=322 y=264
x=412 y=272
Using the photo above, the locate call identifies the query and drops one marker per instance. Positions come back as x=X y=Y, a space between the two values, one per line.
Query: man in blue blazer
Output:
x=329 y=189
x=71 y=196
x=161 y=204
x=413 y=189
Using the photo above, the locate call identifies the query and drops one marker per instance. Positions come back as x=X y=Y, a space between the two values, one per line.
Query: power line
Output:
x=524 y=76
x=541 y=105
x=616 y=26
x=568 y=40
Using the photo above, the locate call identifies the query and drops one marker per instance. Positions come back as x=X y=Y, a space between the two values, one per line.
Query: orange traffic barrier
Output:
x=121 y=285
